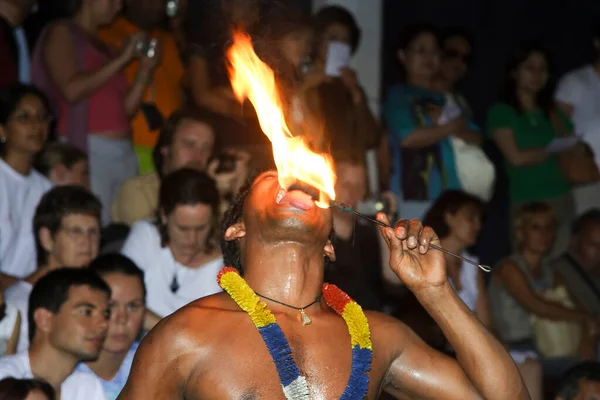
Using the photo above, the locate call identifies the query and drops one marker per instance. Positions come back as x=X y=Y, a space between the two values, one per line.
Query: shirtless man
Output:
x=211 y=350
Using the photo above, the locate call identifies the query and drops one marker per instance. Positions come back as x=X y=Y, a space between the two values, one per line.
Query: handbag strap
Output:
x=583 y=275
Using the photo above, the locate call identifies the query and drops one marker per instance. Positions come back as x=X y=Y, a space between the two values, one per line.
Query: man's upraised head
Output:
x=56 y=290
x=66 y=226
x=585 y=240
x=271 y=221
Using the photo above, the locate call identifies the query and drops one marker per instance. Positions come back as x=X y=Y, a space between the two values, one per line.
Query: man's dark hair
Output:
x=580 y=222
x=115 y=263
x=52 y=290
x=187 y=187
x=330 y=15
x=58 y=153
x=449 y=201
x=55 y=205
x=568 y=388
x=19 y=389
x=169 y=129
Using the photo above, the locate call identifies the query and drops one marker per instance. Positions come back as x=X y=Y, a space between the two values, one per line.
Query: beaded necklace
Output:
x=293 y=383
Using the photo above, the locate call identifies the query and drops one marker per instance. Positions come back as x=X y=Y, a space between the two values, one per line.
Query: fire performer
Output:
x=278 y=332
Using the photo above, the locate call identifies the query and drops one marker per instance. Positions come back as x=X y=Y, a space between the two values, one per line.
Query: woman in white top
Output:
x=178 y=252
x=456 y=218
x=24 y=124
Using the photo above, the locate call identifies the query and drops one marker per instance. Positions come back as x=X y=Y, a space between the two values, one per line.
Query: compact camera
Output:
x=172 y=8
x=146 y=47
x=373 y=206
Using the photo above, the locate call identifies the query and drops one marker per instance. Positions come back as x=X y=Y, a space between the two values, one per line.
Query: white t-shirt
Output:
x=18 y=296
x=581 y=89
x=19 y=197
x=77 y=386
x=143 y=247
x=7 y=327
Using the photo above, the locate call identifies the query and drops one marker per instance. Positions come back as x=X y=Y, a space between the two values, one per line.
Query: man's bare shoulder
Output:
x=389 y=335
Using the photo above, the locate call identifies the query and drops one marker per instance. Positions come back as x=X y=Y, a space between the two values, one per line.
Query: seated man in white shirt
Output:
x=66 y=225
x=68 y=318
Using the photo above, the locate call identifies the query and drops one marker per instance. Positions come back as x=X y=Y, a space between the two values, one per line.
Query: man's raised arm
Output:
x=487 y=365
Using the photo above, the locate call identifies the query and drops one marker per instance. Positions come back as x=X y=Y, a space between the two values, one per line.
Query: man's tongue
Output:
x=298 y=199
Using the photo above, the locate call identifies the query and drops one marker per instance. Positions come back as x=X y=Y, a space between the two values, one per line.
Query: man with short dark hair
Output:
x=579 y=267
x=68 y=318
x=66 y=226
x=581 y=382
x=276 y=332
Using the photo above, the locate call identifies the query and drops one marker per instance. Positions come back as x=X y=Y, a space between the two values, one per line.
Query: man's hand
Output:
x=229 y=183
x=410 y=258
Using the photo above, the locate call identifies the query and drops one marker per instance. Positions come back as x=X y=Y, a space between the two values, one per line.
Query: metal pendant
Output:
x=305 y=318
x=174 y=284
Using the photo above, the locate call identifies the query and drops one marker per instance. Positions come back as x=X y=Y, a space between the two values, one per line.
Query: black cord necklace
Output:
x=305 y=318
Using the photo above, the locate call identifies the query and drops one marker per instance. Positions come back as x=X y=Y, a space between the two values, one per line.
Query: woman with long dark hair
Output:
x=522 y=124
x=424 y=163
x=24 y=123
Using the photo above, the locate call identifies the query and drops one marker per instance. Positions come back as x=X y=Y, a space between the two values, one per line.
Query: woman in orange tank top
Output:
x=84 y=72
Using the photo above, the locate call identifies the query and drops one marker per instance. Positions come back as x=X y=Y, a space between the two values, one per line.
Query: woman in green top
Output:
x=521 y=125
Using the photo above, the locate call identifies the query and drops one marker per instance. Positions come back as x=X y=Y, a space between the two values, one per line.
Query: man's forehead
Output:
x=85 y=293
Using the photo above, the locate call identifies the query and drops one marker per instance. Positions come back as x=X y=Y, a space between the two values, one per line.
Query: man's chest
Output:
x=243 y=368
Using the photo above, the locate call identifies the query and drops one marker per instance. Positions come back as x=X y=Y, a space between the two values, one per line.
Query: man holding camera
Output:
x=163 y=94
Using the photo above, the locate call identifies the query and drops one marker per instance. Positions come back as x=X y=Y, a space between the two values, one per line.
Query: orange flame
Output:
x=251 y=78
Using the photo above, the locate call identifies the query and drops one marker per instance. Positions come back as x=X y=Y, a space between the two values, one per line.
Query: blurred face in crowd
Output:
x=532 y=74
x=537 y=232
x=192 y=146
x=422 y=57
x=105 y=11
x=75 y=243
x=296 y=45
x=587 y=390
x=465 y=224
x=126 y=311
x=586 y=245
x=456 y=58
x=188 y=228
x=150 y=11
x=243 y=13
x=80 y=325
x=351 y=184
x=27 y=128
x=78 y=174
x=335 y=32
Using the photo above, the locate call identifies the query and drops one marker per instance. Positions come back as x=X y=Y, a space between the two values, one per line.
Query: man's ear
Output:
x=43 y=320
x=235 y=231
x=329 y=250
x=46 y=239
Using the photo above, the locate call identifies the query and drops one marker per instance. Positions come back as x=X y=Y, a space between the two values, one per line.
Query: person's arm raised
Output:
x=517 y=157
x=490 y=370
x=60 y=57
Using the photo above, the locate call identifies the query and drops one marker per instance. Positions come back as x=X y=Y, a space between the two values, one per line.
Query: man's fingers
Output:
x=401 y=229
x=414 y=233
x=427 y=236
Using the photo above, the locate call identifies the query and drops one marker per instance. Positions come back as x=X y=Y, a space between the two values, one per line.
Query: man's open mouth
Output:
x=306 y=188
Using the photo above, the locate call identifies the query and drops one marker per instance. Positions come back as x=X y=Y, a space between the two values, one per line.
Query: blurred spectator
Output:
x=68 y=314
x=14 y=51
x=64 y=164
x=339 y=100
x=578 y=96
x=177 y=11
x=419 y=131
x=127 y=306
x=581 y=382
x=25 y=389
x=521 y=282
x=208 y=31
x=186 y=140
x=163 y=93
x=177 y=252
x=24 y=121
x=359 y=264
x=522 y=124
x=457 y=56
x=579 y=267
x=66 y=229
x=10 y=326
x=93 y=99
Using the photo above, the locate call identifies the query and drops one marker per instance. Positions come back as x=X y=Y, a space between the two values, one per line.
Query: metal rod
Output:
x=346 y=208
